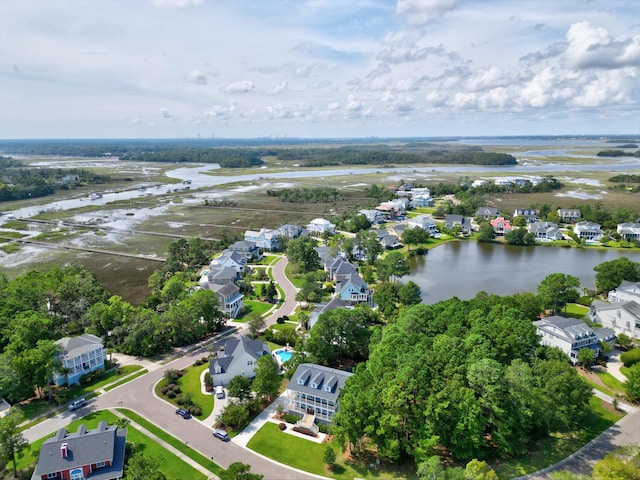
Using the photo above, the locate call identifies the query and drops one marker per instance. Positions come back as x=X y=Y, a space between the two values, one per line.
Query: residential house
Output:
x=86 y=454
x=249 y=250
x=487 y=212
x=399 y=204
x=390 y=242
x=424 y=222
x=568 y=334
x=230 y=258
x=418 y=201
x=218 y=274
x=621 y=317
x=529 y=214
x=569 y=215
x=80 y=355
x=315 y=390
x=388 y=212
x=320 y=226
x=398 y=229
x=291 y=231
x=588 y=230
x=230 y=300
x=353 y=289
x=335 y=302
x=629 y=231
x=501 y=225
x=626 y=292
x=545 y=231
x=236 y=357
x=452 y=221
x=339 y=268
x=374 y=216
x=264 y=238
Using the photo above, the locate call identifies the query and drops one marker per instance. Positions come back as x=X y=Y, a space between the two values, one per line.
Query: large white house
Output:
x=621 y=317
x=314 y=388
x=236 y=357
x=425 y=222
x=568 y=334
x=626 y=292
x=80 y=355
x=321 y=225
x=587 y=230
x=629 y=231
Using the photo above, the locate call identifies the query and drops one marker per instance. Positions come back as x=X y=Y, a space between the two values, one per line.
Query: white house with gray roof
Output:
x=320 y=226
x=545 y=231
x=229 y=258
x=629 y=231
x=236 y=357
x=621 y=317
x=588 y=230
x=86 y=454
x=314 y=388
x=626 y=292
x=230 y=300
x=79 y=355
x=568 y=334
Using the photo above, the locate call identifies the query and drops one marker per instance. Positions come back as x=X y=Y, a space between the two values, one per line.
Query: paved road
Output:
x=138 y=395
x=290 y=290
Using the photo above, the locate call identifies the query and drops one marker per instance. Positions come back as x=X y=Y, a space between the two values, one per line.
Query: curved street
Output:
x=138 y=395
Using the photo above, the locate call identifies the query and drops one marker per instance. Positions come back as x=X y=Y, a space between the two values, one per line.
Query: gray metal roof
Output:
x=328 y=381
x=571 y=328
x=74 y=346
x=84 y=447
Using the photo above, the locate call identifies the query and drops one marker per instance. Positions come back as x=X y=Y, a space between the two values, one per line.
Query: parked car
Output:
x=76 y=404
x=183 y=412
x=221 y=434
x=219 y=391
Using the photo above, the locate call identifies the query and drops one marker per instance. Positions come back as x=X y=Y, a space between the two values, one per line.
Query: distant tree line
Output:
x=226 y=157
x=305 y=195
x=625 y=178
x=382 y=155
x=18 y=181
x=617 y=153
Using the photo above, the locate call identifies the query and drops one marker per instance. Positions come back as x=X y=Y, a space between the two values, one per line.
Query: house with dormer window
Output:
x=86 y=454
x=315 y=390
x=78 y=356
x=568 y=334
x=236 y=357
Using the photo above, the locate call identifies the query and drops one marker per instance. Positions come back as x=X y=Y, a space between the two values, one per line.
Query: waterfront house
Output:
x=91 y=454
x=291 y=231
x=320 y=226
x=374 y=216
x=230 y=300
x=236 y=357
x=626 y=292
x=387 y=212
x=424 y=222
x=569 y=215
x=353 y=289
x=390 y=242
x=501 y=225
x=463 y=223
x=587 y=230
x=568 y=334
x=229 y=258
x=315 y=390
x=621 y=317
x=79 y=355
x=528 y=213
x=265 y=238
x=218 y=274
x=545 y=231
x=487 y=212
x=629 y=231
x=249 y=250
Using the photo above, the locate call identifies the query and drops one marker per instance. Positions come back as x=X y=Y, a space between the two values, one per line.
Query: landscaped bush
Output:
x=282 y=426
x=201 y=361
x=290 y=418
x=280 y=320
x=171 y=386
x=180 y=400
x=163 y=390
x=195 y=411
x=631 y=357
x=171 y=394
x=177 y=389
x=324 y=428
x=208 y=383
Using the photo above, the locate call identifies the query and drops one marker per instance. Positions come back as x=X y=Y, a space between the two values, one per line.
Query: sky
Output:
x=318 y=68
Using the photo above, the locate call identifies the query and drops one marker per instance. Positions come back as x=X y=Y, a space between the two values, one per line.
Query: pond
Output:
x=464 y=268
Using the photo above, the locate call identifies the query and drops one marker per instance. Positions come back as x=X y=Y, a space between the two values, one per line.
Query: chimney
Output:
x=64 y=450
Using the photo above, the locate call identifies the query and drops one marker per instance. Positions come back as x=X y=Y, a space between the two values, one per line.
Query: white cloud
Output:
x=242 y=86
x=197 y=77
x=166 y=113
x=177 y=3
x=420 y=12
x=591 y=46
x=281 y=87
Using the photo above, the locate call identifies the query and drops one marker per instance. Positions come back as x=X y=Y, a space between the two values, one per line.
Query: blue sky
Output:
x=318 y=68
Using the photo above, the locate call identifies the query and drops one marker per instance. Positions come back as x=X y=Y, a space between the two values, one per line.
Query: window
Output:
x=250 y=362
x=52 y=475
x=100 y=464
x=76 y=474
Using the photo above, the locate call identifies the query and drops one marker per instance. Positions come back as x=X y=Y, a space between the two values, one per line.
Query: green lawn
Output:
x=174 y=442
x=296 y=279
x=172 y=466
x=575 y=310
x=284 y=326
x=125 y=380
x=190 y=383
x=307 y=455
x=551 y=450
x=256 y=306
x=611 y=382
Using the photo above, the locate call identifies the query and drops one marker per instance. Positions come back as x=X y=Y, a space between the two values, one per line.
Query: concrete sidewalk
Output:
x=614 y=364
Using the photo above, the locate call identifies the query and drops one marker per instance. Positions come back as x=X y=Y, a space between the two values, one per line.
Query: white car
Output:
x=76 y=404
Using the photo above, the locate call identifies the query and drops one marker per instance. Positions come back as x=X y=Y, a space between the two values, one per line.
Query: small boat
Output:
x=95 y=196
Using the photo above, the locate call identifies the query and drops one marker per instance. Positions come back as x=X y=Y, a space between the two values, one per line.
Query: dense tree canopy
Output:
x=609 y=275
x=466 y=375
x=558 y=289
x=302 y=251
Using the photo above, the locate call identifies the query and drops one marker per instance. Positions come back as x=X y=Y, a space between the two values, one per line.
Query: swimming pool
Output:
x=283 y=355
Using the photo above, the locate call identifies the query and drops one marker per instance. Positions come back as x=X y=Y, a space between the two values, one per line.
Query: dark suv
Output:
x=184 y=413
